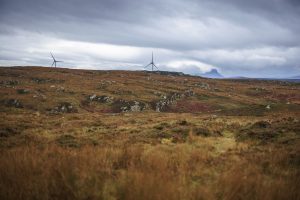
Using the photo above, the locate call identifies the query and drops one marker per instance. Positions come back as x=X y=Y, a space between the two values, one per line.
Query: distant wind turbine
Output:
x=152 y=64
x=54 y=60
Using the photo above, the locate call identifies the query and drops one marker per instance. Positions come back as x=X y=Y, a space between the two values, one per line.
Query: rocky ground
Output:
x=84 y=134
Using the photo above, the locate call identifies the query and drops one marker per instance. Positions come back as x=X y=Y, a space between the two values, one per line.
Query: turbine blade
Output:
x=155 y=66
x=52 y=63
x=147 y=65
x=52 y=56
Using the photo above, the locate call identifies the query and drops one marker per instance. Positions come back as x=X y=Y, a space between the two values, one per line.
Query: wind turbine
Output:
x=54 y=60
x=152 y=64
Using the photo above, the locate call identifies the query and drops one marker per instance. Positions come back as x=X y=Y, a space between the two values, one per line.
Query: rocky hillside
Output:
x=84 y=134
x=54 y=91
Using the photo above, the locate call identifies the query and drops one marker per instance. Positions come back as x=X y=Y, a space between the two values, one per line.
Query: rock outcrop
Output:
x=64 y=107
x=162 y=105
x=128 y=106
x=101 y=99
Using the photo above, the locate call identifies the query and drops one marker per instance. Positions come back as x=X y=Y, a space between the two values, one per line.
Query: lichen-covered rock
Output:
x=163 y=104
x=101 y=99
x=128 y=106
x=92 y=97
x=137 y=107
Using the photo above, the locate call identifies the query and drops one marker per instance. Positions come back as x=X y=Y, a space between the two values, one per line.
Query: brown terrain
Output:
x=84 y=134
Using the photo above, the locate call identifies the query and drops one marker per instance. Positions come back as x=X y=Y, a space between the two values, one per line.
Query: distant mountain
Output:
x=212 y=74
x=294 y=77
x=238 y=77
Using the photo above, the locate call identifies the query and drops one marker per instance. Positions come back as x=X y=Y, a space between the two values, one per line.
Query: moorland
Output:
x=88 y=134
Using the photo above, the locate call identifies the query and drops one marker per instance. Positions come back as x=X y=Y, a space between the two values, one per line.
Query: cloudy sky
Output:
x=257 y=38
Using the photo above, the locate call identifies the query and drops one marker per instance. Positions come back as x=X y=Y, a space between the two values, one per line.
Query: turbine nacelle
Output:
x=54 y=60
x=152 y=64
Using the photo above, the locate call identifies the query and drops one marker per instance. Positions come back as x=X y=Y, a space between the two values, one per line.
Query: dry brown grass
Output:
x=213 y=145
x=182 y=171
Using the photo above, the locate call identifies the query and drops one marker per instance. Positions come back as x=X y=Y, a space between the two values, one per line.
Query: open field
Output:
x=83 y=134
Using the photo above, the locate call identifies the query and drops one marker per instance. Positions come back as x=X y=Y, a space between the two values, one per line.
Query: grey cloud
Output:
x=154 y=23
x=243 y=29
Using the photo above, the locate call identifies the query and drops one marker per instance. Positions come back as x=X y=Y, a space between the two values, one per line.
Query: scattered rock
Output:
x=268 y=107
x=163 y=104
x=137 y=107
x=188 y=93
x=258 y=89
x=92 y=97
x=39 y=95
x=9 y=83
x=49 y=80
x=13 y=103
x=128 y=106
x=38 y=80
x=203 y=85
x=101 y=99
x=64 y=107
x=60 y=89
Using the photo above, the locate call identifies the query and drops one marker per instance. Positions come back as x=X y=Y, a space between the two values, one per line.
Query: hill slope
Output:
x=43 y=89
x=86 y=134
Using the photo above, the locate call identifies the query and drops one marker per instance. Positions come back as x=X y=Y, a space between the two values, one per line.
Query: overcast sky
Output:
x=257 y=38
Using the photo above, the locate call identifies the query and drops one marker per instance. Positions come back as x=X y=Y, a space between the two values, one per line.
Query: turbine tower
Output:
x=54 y=60
x=152 y=64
